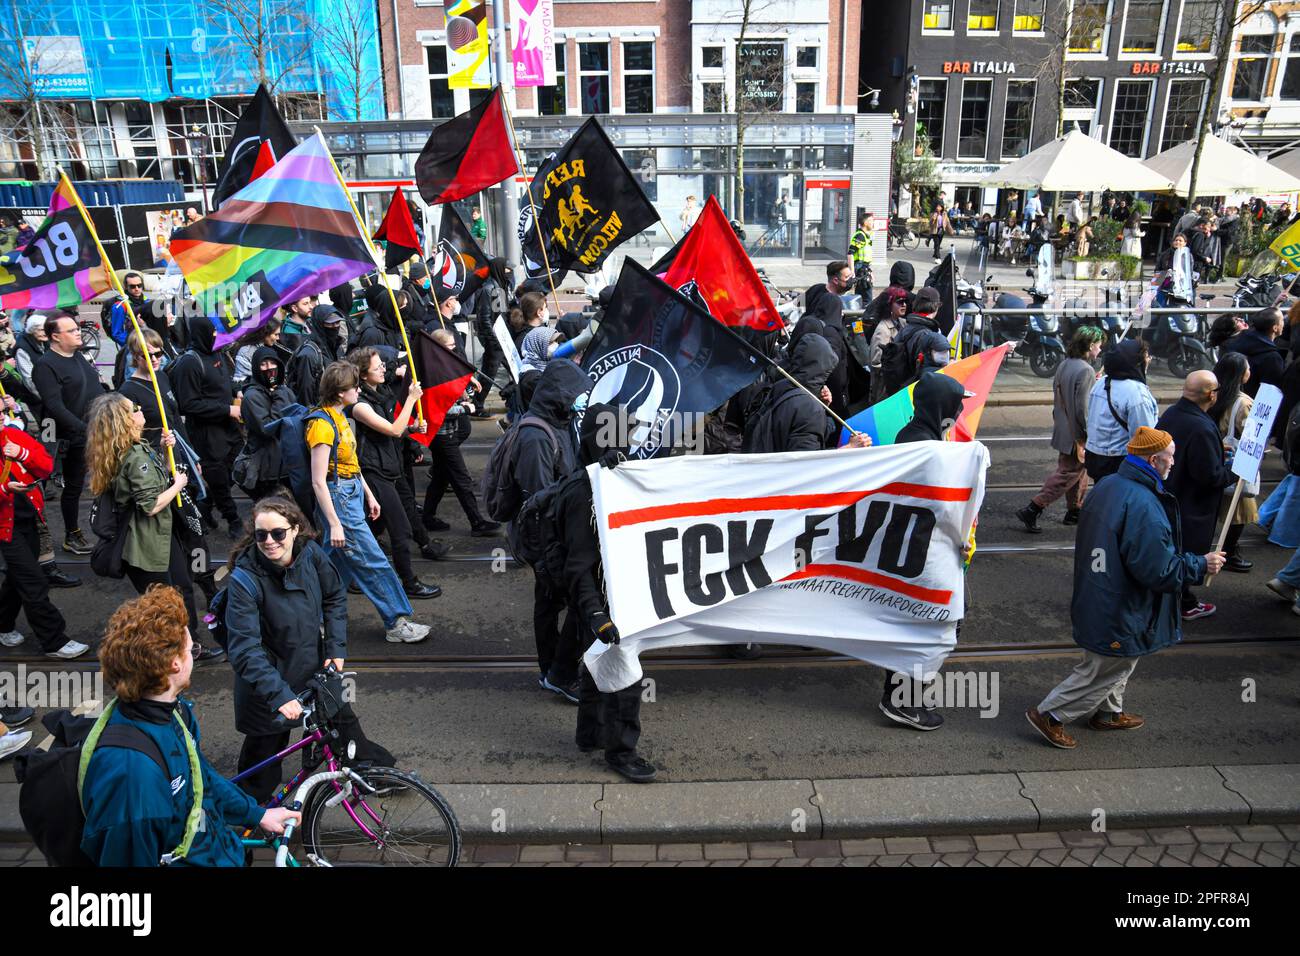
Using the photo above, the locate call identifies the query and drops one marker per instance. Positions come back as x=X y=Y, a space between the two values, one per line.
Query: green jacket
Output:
x=140 y=480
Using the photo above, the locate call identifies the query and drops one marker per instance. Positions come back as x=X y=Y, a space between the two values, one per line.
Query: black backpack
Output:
x=898 y=368
x=303 y=370
x=49 y=799
x=501 y=494
x=534 y=534
x=109 y=523
x=215 y=619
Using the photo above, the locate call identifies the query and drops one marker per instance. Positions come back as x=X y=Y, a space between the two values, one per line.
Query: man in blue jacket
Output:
x=1129 y=574
x=134 y=814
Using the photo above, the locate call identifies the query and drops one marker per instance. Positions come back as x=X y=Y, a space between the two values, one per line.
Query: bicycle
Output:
x=373 y=801
x=89 y=338
x=899 y=234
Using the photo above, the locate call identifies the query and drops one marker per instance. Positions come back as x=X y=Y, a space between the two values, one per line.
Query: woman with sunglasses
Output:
x=121 y=461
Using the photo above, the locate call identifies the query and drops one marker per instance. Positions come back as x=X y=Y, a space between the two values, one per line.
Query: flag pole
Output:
x=374 y=254
x=528 y=190
x=126 y=306
x=437 y=306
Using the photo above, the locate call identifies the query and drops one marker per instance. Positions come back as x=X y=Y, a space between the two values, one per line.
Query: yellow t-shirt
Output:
x=320 y=433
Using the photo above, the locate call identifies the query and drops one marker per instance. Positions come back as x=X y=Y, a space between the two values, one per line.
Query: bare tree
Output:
x=1069 y=26
x=277 y=35
x=29 y=31
x=346 y=38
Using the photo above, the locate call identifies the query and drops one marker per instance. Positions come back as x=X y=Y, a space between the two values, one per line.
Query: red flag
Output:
x=444 y=376
x=265 y=160
x=709 y=265
x=398 y=231
x=466 y=154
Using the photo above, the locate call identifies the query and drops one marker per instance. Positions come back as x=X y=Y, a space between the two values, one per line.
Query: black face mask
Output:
x=271 y=376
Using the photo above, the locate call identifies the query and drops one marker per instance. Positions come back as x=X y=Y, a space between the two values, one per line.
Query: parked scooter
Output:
x=1110 y=318
x=1262 y=291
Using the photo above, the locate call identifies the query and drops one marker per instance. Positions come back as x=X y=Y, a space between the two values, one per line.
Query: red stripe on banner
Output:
x=723 y=506
x=863 y=576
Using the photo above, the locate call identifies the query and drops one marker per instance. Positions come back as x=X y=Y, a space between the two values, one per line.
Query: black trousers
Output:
x=216 y=475
x=177 y=575
x=610 y=721
x=392 y=516
x=557 y=644
x=25 y=587
x=257 y=748
x=448 y=468
x=492 y=359
x=405 y=485
x=1099 y=466
x=74 y=482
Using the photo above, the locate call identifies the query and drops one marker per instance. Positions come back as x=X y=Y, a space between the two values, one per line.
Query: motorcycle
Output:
x=1039 y=331
x=1179 y=337
x=1262 y=291
x=1109 y=319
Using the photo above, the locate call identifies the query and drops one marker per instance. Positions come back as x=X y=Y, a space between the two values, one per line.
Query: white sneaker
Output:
x=70 y=650
x=13 y=742
x=406 y=631
x=11 y=639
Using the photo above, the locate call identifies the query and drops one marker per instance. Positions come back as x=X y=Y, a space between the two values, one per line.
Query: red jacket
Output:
x=32 y=465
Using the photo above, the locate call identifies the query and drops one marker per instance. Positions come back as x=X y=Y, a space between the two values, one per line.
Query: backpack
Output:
x=109 y=524
x=758 y=438
x=290 y=430
x=106 y=314
x=50 y=798
x=501 y=494
x=898 y=368
x=302 y=372
x=534 y=534
x=216 y=616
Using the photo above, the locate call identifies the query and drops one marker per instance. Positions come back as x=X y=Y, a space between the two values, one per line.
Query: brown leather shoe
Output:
x=1113 y=721
x=1054 y=734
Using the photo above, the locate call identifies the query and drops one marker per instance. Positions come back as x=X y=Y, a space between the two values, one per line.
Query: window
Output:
x=1197 y=26
x=441 y=99
x=805 y=97
x=931 y=98
x=639 y=77
x=1128 y=122
x=593 y=76
x=1082 y=94
x=1252 y=67
x=937 y=15
x=1182 y=112
x=711 y=57
x=1017 y=127
x=805 y=57
x=1028 y=17
x=982 y=16
x=1142 y=26
x=973 y=130
x=1088 y=23
x=554 y=100
x=1291 y=79
x=712 y=99
x=760 y=76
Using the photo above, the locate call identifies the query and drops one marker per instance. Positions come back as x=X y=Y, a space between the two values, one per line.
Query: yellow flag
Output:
x=1287 y=245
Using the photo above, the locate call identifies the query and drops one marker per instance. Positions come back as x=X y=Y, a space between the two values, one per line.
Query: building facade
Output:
x=1261 y=92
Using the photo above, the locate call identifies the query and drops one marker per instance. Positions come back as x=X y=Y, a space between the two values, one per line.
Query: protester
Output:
x=1119 y=404
x=136 y=813
x=1229 y=412
x=319 y=342
x=297 y=318
x=67 y=383
x=22 y=509
x=886 y=331
x=380 y=427
x=265 y=336
x=1258 y=344
x=1129 y=568
x=449 y=309
x=824 y=302
x=1279 y=516
x=379 y=327
x=1070 y=387
x=344 y=501
x=791 y=418
x=150 y=313
x=201 y=377
x=491 y=300
x=28 y=348
x=917 y=346
x=260 y=468
x=1198 y=476
x=530 y=314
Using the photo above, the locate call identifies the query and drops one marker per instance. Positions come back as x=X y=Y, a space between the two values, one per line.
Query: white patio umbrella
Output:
x=1224 y=169
x=1076 y=162
x=1288 y=162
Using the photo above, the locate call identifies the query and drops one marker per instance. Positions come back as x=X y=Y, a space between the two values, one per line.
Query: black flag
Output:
x=457 y=266
x=260 y=123
x=588 y=202
x=943 y=279
x=665 y=359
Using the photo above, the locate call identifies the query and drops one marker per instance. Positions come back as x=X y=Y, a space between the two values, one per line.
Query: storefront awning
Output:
x=1076 y=162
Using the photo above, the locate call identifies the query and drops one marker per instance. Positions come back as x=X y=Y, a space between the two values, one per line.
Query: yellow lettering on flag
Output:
x=1287 y=245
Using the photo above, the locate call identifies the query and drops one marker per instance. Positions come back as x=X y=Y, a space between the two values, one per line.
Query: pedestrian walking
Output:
x=260 y=467
x=1230 y=410
x=1119 y=404
x=940 y=226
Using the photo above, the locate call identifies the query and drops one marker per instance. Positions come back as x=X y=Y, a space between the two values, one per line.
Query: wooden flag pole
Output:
x=1227 y=522
x=374 y=254
x=135 y=323
x=528 y=191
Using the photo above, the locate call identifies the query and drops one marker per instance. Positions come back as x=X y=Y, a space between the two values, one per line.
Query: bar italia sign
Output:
x=979 y=66
x=1152 y=67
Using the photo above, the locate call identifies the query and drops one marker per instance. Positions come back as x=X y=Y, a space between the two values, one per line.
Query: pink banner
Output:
x=534 y=46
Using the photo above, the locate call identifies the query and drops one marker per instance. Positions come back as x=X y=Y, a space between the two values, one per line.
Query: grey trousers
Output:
x=1096 y=683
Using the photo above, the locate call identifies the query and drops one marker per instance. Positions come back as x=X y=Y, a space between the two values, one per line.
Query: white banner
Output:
x=502 y=332
x=856 y=551
x=533 y=55
x=1254 y=434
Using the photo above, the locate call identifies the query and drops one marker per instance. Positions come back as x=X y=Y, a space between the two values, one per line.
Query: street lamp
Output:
x=198 y=144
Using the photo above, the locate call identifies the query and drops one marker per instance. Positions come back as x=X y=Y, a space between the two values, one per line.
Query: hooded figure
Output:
x=790 y=419
x=259 y=466
x=539 y=459
x=379 y=325
x=319 y=344
x=535 y=348
x=937 y=400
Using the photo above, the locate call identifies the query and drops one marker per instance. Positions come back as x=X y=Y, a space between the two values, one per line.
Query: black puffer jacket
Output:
x=265 y=400
x=202 y=380
x=537 y=462
x=791 y=419
x=275 y=631
x=937 y=400
x=380 y=455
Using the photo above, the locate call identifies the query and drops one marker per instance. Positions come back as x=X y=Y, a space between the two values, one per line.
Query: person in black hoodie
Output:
x=544 y=453
x=379 y=326
x=823 y=301
x=260 y=467
x=320 y=342
x=937 y=400
x=491 y=300
x=791 y=419
x=202 y=379
x=1258 y=344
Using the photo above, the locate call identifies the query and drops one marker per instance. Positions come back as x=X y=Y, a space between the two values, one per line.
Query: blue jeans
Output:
x=1291 y=573
x=361 y=560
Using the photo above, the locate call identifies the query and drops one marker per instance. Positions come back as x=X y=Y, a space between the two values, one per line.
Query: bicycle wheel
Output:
x=412 y=823
x=911 y=240
x=90 y=342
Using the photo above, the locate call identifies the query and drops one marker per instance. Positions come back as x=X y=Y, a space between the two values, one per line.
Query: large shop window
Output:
x=593 y=76
x=639 y=77
x=973 y=132
x=1128 y=122
x=931 y=98
x=1017 y=127
x=1142 y=26
x=1252 y=67
x=554 y=100
x=1182 y=112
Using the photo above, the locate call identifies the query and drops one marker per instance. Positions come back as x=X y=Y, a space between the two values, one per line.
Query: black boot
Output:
x=1071 y=517
x=1029 y=515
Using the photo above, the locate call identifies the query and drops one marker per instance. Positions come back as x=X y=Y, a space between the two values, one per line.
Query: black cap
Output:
x=927 y=300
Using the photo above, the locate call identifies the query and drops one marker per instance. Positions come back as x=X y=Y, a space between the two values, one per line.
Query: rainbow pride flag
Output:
x=884 y=420
x=287 y=234
x=61 y=266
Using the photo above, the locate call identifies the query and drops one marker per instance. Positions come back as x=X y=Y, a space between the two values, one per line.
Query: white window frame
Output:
x=1235 y=57
x=1028 y=33
x=997 y=20
x=816 y=85
x=943 y=120
x=1146 y=126
x=1072 y=114
x=1285 y=56
x=563 y=44
x=1160 y=34
x=936 y=31
x=607 y=73
x=1169 y=92
x=1033 y=114
x=1105 y=35
x=700 y=92
x=796 y=69
x=430 y=76
x=988 y=133
x=1176 y=54
x=624 y=72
